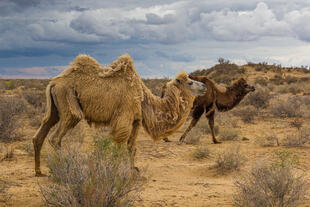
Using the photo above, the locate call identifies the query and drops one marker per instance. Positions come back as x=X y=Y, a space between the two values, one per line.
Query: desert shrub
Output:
x=246 y=113
x=201 y=152
x=271 y=185
x=34 y=97
x=259 y=98
x=227 y=134
x=105 y=177
x=287 y=108
x=10 y=108
x=291 y=79
x=229 y=159
x=295 y=88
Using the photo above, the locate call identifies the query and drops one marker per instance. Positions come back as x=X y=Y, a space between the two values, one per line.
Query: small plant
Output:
x=229 y=160
x=271 y=185
x=105 y=177
x=201 y=152
x=229 y=134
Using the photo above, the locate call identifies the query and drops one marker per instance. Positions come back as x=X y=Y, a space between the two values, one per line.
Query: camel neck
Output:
x=161 y=116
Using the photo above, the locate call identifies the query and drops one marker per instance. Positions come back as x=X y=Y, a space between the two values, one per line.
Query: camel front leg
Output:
x=196 y=116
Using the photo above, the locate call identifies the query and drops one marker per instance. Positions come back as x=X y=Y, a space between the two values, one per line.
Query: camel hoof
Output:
x=39 y=174
x=217 y=142
x=180 y=142
x=166 y=140
x=136 y=169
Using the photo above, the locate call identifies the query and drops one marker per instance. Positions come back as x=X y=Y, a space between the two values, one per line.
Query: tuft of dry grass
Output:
x=229 y=159
x=267 y=140
x=229 y=134
x=104 y=177
x=28 y=147
x=8 y=154
x=201 y=152
x=270 y=185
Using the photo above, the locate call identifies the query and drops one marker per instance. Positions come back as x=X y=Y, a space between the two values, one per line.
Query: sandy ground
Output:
x=173 y=176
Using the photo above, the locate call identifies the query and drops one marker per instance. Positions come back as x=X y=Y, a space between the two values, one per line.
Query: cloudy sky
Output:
x=39 y=38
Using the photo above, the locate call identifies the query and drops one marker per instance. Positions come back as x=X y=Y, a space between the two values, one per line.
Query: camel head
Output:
x=242 y=84
x=182 y=81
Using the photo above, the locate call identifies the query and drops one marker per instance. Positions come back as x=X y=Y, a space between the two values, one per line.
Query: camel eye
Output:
x=190 y=83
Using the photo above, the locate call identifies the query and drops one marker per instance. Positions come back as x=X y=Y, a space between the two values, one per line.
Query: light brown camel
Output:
x=216 y=98
x=113 y=96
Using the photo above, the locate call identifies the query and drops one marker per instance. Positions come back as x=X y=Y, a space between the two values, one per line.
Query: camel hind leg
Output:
x=69 y=111
x=50 y=119
x=210 y=117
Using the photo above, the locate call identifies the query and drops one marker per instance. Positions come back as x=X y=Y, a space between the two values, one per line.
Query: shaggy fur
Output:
x=113 y=96
x=215 y=97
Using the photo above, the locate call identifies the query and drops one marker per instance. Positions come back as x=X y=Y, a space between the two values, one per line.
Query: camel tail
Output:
x=50 y=105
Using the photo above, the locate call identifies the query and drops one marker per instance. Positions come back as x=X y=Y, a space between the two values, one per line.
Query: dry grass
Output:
x=201 y=152
x=301 y=138
x=287 y=108
x=246 y=114
x=11 y=107
x=271 y=185
x=229 y=134
x=267 y=140
x=229 y=159
x=105 y=177
x=7 y=154
x=259 y=98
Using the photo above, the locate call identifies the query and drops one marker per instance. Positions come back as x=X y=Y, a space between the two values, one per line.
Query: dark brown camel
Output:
x=222 y=99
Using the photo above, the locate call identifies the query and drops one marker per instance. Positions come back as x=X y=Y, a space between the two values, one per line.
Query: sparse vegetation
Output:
x=105 y=177
x=259 y=98
x=246 y=113
x=8 y=154
x=286 y=108
x=229 y=134
x=10 y=108
x=267 y=140
x=271 y=185
x=201 y=152
x=229 y=159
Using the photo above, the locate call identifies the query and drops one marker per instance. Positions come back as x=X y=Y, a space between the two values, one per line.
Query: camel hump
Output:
x=123 y=65
x=222 y=87
x=85 y=61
